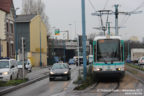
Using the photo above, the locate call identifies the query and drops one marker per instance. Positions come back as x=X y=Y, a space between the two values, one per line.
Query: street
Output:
x=128 y=86
x=45 y=87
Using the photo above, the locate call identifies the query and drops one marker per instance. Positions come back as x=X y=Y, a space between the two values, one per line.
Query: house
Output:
x=7 y=34
x=32 y=28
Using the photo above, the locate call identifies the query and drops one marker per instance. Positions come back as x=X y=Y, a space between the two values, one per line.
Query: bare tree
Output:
x=36 y=7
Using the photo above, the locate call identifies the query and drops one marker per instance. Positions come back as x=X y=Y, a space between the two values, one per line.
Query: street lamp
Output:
x=16 y=35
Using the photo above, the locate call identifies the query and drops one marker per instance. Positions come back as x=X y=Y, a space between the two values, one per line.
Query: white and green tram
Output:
x=108 y=56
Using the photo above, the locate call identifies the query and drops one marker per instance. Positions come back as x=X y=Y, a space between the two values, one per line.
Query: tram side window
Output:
x=121 y=52
x=95 y=51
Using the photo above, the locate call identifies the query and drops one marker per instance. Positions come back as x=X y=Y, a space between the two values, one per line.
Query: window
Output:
x=95 y=52
x=12 y=29
x=108 y=50
x=7 y=27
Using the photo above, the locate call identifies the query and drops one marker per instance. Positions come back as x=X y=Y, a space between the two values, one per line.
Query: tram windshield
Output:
x=108 y=50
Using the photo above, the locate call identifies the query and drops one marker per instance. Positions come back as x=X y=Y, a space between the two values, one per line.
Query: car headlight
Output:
x=65 y=72
x=5 y=73
x=51 y=72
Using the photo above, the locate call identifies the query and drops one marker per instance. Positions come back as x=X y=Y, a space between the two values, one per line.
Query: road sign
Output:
x=57 y=32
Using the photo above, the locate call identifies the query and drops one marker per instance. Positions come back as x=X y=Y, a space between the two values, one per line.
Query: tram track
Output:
x=117 y=87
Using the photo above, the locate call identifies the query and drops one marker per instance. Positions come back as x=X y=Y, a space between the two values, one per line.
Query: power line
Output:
x=140 y=6
x=105 y=4
x=92 y=5
x=124 y=20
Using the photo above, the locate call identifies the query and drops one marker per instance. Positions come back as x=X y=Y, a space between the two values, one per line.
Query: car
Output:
x=27 y=65
x=141 y=61
x=90 y=59
x=71 y=61
x=8 y=69
x=60 y=70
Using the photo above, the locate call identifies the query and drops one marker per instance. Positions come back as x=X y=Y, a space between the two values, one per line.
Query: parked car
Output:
x=8 y=69
x=27 y=65
x=60 y=70
x=71 y=61
x=90 y=59
x=141 y=61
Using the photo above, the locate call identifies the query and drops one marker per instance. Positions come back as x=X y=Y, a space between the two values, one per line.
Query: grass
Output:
x=135 y=66
x=83 y=84
x=12 y=82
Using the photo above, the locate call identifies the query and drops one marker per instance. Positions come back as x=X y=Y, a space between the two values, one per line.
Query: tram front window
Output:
x=108 y=50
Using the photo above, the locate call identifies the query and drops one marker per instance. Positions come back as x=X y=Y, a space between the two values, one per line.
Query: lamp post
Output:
x=40 y=35
x=16 y=35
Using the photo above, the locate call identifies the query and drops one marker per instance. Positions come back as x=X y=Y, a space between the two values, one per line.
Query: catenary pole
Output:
x=116 y=19
x=84 y=38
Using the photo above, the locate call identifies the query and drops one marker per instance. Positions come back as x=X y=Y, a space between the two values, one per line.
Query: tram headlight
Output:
x=99 y=69
x=118 y=69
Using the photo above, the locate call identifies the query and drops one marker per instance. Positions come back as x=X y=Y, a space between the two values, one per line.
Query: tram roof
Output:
x=105 y=37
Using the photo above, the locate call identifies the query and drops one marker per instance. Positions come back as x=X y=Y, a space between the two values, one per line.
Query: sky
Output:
x=66 y=15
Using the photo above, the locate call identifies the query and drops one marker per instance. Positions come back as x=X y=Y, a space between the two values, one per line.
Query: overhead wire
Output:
x=140 y=6
x=92 y=5
x=106 y=3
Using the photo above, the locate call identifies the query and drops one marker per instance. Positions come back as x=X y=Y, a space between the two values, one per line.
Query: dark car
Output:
x=60 y=70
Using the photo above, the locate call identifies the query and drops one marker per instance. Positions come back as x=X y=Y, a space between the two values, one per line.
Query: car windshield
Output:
x=4 y=64
x=19 y=63
x=71 y=60
x=59 y=66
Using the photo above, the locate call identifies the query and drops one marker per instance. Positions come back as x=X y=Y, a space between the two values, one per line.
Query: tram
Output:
x=108 y=56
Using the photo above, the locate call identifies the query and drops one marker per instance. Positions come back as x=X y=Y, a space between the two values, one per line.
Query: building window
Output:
x=1 y=48
x=12 y=29
x=7 y=27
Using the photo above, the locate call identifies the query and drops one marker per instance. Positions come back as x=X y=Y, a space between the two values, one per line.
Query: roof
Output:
x=104 y=37
x=5 y=5
x=25 y=18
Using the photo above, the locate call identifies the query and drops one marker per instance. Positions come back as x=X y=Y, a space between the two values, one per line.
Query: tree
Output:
x=35 y=7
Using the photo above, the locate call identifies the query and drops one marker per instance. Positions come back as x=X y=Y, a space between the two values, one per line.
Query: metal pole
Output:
x=78 y=55
x=128 y=51
x=40 y=44
x=64 y=46
x=108 y=28
x=16 y=35
x=23 y=56
x=0 y=47
x=84 y=38
x=116 y=19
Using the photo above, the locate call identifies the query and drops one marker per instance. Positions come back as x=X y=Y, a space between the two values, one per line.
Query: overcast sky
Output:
x=62 y=13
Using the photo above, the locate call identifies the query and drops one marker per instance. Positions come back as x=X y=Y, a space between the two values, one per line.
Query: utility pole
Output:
x=84 y=38
x=116 y=19
x=108 y=28
x=23 y=56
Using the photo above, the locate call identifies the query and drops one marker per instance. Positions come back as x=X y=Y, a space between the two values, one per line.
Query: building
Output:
x=31 y=28
x=7 y=34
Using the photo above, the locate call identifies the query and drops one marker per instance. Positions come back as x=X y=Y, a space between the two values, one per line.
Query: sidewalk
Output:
x=37 y=72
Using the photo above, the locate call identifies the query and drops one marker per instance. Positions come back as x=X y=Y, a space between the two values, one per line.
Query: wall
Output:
x=35 y=29
x=2 y=25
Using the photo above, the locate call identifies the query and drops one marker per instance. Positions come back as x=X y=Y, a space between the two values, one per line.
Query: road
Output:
x=128 y=86
x=45 y=87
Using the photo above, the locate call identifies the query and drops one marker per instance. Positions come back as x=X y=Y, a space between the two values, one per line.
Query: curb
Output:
x=5 y=91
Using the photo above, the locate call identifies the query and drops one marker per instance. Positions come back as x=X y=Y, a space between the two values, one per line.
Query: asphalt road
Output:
x=128 y=86
x=45 y=87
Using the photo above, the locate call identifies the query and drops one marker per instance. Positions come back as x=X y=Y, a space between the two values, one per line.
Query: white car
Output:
x=8 y=69
x=141 y=61
x=27 y=65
